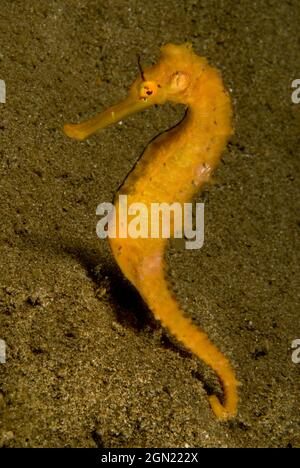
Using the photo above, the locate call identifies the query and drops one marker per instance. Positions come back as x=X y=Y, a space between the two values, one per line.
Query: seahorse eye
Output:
x=148 y=89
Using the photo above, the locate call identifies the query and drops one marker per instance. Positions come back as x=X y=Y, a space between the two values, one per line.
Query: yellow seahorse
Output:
x=172 y=169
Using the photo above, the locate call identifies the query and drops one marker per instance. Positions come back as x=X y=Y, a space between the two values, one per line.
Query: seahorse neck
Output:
x=207 y=125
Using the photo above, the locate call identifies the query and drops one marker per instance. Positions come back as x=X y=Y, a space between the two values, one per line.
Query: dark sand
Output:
x=87 y=365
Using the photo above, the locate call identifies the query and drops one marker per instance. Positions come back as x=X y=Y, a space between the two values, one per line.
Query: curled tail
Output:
x=147 y=273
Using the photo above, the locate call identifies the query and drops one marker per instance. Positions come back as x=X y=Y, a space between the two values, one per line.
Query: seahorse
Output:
x=172 y=168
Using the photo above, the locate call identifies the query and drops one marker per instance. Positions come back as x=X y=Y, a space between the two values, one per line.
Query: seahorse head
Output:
x=172 y=78
x=175 y=77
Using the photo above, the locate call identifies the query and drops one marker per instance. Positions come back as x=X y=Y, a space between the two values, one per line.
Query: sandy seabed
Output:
x=87 y=365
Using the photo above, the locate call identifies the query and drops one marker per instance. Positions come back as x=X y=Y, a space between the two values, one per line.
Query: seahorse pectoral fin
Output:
x=113 y=114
